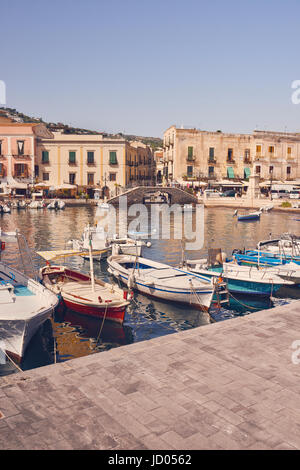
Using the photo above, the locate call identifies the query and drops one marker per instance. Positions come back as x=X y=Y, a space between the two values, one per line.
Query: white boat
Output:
x=98 y=237
x=103 y=205
x=24 y=303
x=19 y=205
x=36 y=205
x=127 y=246
x=246 y=280
x=5 y=209
x=267 y=208
x=57 y=204
x=162 y=281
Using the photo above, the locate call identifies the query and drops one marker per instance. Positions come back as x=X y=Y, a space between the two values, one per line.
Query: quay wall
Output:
x=229 y=385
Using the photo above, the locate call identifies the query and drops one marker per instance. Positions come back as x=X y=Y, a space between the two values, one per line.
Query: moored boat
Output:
x=24 y=304
x=162 y=281
x=245 y=280
x=83 y=295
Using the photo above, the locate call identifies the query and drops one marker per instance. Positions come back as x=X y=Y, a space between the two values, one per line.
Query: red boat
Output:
x=84 y=294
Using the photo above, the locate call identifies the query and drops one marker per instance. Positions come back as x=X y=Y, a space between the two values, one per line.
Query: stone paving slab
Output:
x=227 y=385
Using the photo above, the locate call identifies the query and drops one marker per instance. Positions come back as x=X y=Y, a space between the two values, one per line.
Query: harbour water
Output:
x=69 y=335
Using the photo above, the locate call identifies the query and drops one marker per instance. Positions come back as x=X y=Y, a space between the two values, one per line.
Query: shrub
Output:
x=286 y=204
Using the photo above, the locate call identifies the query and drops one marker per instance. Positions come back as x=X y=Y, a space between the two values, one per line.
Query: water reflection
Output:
x=71 y=335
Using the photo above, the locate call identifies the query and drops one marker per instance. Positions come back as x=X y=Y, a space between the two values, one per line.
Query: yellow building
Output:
x=191 y=154
x=84 y=162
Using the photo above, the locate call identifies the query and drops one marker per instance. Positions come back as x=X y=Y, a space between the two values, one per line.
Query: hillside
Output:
x=154 y=142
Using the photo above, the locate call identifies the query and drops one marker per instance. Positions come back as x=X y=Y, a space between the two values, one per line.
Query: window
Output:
x=211 y=171
x=45 y=156
x=247 y=154
x=90 y=179
x=113 y=158
x=21 y=170
x=289 y=151
x=36 y=171
x=189 y=171
x=72 y=178
x=230 y=155
x=45 y=176
x=72 y=158
x=271 y=169
x=90 y=158
x=0 y=147
x=112 y=176
x=190 y=153
x=1 y=168
x=258 y=149
x=20 y=144
x=271 y=149
x=211 y=153
x=257 y=170
x=288 y=170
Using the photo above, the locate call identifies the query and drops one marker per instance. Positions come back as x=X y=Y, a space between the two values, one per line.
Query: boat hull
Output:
x=115 y=314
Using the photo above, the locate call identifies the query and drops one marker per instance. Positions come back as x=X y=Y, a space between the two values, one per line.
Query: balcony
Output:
x=247 y=161
x=24 y=157
x=190 y=158
x=211 y=160
x=230 y=161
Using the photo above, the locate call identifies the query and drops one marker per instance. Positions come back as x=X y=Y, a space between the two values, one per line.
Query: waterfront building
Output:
x=18 y=149
x=159 y=162
x=194 y=155
x=86 y=162
x=33 y=156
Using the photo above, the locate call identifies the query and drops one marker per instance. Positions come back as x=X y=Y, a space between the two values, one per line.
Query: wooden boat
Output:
x=162 y=281
x=82 y=295
x=246 y=280
x=24 y=303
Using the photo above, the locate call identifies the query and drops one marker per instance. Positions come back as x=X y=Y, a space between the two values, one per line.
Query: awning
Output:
x=65 y=186
x=247 y=173
x=230 y=172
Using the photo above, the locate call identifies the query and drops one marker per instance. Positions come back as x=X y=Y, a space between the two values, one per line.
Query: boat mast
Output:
x=91 y=259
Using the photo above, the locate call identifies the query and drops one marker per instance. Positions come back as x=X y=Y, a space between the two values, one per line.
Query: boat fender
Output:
x=131 y=280
x=2 y=246
x=220 y=280
x=125 y=294
x=100 y=300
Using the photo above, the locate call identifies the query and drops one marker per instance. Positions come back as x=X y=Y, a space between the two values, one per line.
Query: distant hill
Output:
x=153 y=142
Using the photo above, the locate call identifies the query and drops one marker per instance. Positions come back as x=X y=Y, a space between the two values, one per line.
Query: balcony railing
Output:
x=190 y=158
x=247 y=160
x=211 y=160
x=232 y=161
x=26 y=156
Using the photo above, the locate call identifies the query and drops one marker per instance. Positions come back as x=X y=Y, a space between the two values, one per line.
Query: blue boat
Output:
x=241 y=279
x=251 y=216
x=256 y=257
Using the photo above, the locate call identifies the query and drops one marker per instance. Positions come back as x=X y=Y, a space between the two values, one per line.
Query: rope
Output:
x=102 y=324
x=238 y=301
x=197 y=297
x=19 y=368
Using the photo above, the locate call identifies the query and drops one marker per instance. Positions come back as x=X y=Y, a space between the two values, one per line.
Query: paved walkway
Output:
x=228 y=385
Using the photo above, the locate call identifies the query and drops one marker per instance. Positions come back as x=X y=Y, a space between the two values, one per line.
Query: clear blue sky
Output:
x=140 y=66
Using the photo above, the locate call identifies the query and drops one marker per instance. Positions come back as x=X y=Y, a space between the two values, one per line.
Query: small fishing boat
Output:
x=246 y=217
x=127 y=246
x=162 y=281
x=24 y=303
x=103 y=205
x=57 y=204
x=19 y=205
x=99 y=242
x=83 y=293
x=246 y=280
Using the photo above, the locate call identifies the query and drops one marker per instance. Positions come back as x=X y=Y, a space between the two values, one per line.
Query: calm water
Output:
x=70 y=335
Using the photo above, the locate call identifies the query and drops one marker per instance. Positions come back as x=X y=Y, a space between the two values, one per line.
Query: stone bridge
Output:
x=158 y=194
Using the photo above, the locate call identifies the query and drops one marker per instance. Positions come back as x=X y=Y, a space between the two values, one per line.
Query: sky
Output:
x=140 y=66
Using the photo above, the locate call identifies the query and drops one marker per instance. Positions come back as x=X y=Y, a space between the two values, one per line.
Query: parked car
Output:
x=212 y=193
x=229 y=193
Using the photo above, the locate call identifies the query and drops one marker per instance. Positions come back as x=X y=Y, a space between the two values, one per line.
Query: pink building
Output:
x=18 y=143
